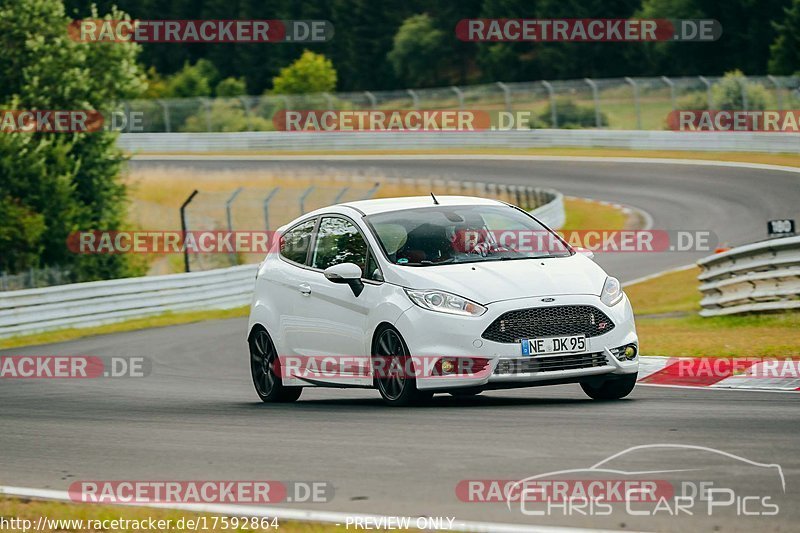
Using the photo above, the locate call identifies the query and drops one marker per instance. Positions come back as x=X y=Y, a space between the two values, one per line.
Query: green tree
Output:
x=20 y=235
x=231 y=87
x=310 y=73
x=418 y=52
x=65 y=181
x=192 y=80
x=747 y=33
x=785 y=50
x=526 y=61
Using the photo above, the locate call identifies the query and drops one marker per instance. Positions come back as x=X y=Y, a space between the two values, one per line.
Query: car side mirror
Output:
x=348 y=273
x=585 y=252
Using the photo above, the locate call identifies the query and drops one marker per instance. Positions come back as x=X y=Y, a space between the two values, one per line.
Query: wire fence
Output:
x=264 y=209
x=266 y=206
x=613 y=103
x=35 y=277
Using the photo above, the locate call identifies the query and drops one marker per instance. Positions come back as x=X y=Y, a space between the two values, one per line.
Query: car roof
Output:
x=383 y=205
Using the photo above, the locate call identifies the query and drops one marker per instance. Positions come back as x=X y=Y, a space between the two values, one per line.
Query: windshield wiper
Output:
x=428 y=262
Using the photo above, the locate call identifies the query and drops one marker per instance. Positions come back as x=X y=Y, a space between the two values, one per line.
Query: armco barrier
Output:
x=758 y=277
x=103 y=302
x=341 y=141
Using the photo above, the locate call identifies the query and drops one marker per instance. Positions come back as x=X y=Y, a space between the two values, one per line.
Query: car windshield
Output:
x=463 y=234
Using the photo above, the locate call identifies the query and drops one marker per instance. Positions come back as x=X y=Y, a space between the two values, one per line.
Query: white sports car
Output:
x=423 y=295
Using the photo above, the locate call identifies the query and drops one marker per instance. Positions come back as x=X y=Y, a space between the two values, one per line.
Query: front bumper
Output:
x=430 y=334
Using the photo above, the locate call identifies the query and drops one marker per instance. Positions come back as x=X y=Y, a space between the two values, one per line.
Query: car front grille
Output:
x=554 y=321
x=550 y=363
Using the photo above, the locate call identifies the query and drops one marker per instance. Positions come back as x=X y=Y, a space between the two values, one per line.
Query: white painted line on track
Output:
x=282 y=513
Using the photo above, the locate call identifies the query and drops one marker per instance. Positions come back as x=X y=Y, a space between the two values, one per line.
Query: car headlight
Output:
x=612 y=292
x=444 y=302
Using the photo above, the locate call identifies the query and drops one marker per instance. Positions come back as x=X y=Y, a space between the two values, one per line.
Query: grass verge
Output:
x=688 y=334
x=587 y=214
x=33 y=509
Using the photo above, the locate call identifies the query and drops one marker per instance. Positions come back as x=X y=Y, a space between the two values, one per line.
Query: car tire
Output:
x=263 y=359
x=611 y=389
x=401 y=390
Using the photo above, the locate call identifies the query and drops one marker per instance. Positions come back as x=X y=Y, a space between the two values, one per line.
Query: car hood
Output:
x=494 y=281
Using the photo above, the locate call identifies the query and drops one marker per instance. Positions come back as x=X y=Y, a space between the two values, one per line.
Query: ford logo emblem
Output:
x=548 y=299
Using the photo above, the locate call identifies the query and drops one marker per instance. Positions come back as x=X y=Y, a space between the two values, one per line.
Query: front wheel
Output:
x=612 y=389
x=395 y=380
x=266 y=374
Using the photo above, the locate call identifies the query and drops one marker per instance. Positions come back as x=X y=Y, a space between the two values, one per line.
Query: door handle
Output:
x=305 y=289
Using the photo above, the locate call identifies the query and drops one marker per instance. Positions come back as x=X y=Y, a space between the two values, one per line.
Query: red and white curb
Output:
x=767 y=374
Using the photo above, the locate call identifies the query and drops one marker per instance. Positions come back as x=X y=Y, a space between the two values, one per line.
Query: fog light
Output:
x=447 y=366
x=626 y=353
x=630 y=352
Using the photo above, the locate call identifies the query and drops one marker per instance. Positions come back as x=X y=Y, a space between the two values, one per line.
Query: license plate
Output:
x=552 y=345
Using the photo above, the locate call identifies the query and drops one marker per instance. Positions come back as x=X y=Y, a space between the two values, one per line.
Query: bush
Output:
x=570 y=116
x=227 y=116
x=727 y=95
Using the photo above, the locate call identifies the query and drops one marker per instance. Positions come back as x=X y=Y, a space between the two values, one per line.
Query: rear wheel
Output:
x=396 y=381
x=264 y=367
x=612 y=389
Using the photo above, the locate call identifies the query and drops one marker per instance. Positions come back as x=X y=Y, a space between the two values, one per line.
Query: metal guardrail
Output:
x=96 y=303
x=552 y=213
x=267 y=141
x=102 y=302
x=758 y=277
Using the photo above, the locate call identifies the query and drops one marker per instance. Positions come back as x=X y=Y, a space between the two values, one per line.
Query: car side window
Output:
x=295 y=242
x=339 y=241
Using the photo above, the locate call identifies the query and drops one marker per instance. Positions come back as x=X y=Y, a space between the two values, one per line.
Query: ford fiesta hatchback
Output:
x=424 y=295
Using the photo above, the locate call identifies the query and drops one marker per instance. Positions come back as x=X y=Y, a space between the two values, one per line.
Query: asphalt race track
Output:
x=196 y=415
x=733 y=203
